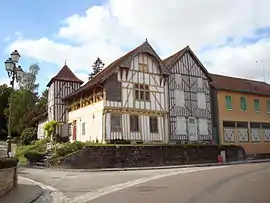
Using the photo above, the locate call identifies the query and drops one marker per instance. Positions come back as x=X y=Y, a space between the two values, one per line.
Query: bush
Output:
x=39 y=146
x=28 y=135
x=67 y=148
x=34 y=156
x=59 y=139
x=8 y=162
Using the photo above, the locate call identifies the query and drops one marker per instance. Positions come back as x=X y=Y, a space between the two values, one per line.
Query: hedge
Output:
x=8 y=162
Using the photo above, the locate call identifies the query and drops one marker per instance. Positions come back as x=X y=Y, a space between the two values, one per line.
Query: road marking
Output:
x=117 y=187
x=56 y=194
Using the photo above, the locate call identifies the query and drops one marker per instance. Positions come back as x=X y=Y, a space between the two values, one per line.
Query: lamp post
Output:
x=15 y=73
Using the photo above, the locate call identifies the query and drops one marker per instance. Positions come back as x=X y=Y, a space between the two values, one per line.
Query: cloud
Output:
x=109 y=30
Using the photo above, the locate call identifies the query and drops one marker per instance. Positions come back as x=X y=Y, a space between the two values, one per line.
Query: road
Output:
x=247 y=183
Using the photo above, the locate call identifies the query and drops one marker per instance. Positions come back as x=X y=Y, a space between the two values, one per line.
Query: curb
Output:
x=37 y=196
x=161 y=167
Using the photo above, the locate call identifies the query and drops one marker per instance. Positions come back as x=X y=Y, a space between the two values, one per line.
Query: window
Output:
x=200 y=83
x=256 y=105
x=203 y=126
x=153 y=125
x=179 y=98
x=181 y=125
x=268 y=106
x=116 y=120
x=201 y=100
x=228 y=102
x=243 y=103
x=83 y=128
x=143 y=67
x=142 y=92
x=134 y=123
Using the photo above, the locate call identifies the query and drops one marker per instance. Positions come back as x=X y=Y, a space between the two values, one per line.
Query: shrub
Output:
x=28 y=135
x=8 y=162
x=67 y=148
x=50 y=127
x=59 y=139
x=33 y=156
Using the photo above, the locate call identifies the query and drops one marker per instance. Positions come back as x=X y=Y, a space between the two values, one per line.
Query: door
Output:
x=192 y=129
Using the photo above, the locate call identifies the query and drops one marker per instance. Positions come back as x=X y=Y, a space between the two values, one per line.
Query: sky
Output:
x=227 y=36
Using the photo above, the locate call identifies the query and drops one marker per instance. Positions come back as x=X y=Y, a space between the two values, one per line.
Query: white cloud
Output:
x=170 y=25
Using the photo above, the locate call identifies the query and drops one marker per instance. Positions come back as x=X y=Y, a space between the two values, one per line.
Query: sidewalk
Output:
x=25 y=192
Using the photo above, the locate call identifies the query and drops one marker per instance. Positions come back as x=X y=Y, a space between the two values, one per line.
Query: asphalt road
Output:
x=247 y=183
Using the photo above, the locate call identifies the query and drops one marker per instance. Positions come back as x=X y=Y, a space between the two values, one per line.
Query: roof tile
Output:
x=240 y=84
x=65 y=74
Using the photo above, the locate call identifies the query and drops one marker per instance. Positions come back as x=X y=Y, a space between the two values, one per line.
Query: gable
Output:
x=144 y=62
x=188 y=62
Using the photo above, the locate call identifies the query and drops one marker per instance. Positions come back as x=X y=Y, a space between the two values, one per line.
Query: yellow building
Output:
x=241 y=113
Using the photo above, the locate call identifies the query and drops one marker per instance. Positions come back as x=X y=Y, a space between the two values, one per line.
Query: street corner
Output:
x=25 y=192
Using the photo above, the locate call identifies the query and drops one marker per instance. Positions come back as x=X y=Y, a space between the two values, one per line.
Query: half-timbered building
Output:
x=126 y=101
x=64 y=83
x=189 y=98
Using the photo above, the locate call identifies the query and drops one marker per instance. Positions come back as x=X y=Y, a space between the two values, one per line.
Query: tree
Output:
x=97 y=67
x=24 y=101
x=41 y=105
x=4 y=100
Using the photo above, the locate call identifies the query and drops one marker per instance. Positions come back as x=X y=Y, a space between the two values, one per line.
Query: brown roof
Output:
x=171 y=60
x=122 y=61
x=222 y=82
x=65 y=74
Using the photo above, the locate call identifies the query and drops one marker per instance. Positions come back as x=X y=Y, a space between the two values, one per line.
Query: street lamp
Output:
x=15 y=73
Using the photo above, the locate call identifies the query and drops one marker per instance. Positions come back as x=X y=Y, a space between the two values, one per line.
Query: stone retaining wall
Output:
x=8 y=180
x=145 y=156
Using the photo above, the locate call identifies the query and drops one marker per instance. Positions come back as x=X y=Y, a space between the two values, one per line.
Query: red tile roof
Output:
x=222 y=82
x=65 y=74
x=171 y=60
x=109 y=70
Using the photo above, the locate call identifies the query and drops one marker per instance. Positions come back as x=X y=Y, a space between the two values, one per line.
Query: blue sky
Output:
x=36 y=19
x=50 y=32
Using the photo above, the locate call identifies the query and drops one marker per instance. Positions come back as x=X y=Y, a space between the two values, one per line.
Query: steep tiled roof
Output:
x=122 y=61
x=65 y=74
x=239 y=84
x=171 y=60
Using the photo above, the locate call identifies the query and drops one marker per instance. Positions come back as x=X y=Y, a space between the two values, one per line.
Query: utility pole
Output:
x=263 y=68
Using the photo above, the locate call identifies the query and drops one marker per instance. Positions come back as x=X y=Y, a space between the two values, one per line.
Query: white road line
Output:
x=117 y=187
x=56 y=194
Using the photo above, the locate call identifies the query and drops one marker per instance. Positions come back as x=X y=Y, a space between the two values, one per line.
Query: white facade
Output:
x=142 y=79
x=41 y=134
x=88 y=121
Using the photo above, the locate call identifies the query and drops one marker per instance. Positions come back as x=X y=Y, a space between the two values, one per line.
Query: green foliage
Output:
x=59 y=139
x=28 y=135
x=8 y=162
x=97 y=67
x=39 y=146
x=50 y=127
x=67 y=148
x=34 y=156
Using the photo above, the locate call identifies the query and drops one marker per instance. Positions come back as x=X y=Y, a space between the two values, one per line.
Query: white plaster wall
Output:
x=144 y=130
x=41 y=134
x=92 y=116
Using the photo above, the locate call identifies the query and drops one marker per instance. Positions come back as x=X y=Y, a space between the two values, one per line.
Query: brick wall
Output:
x=144 y=156
x=8 y=180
